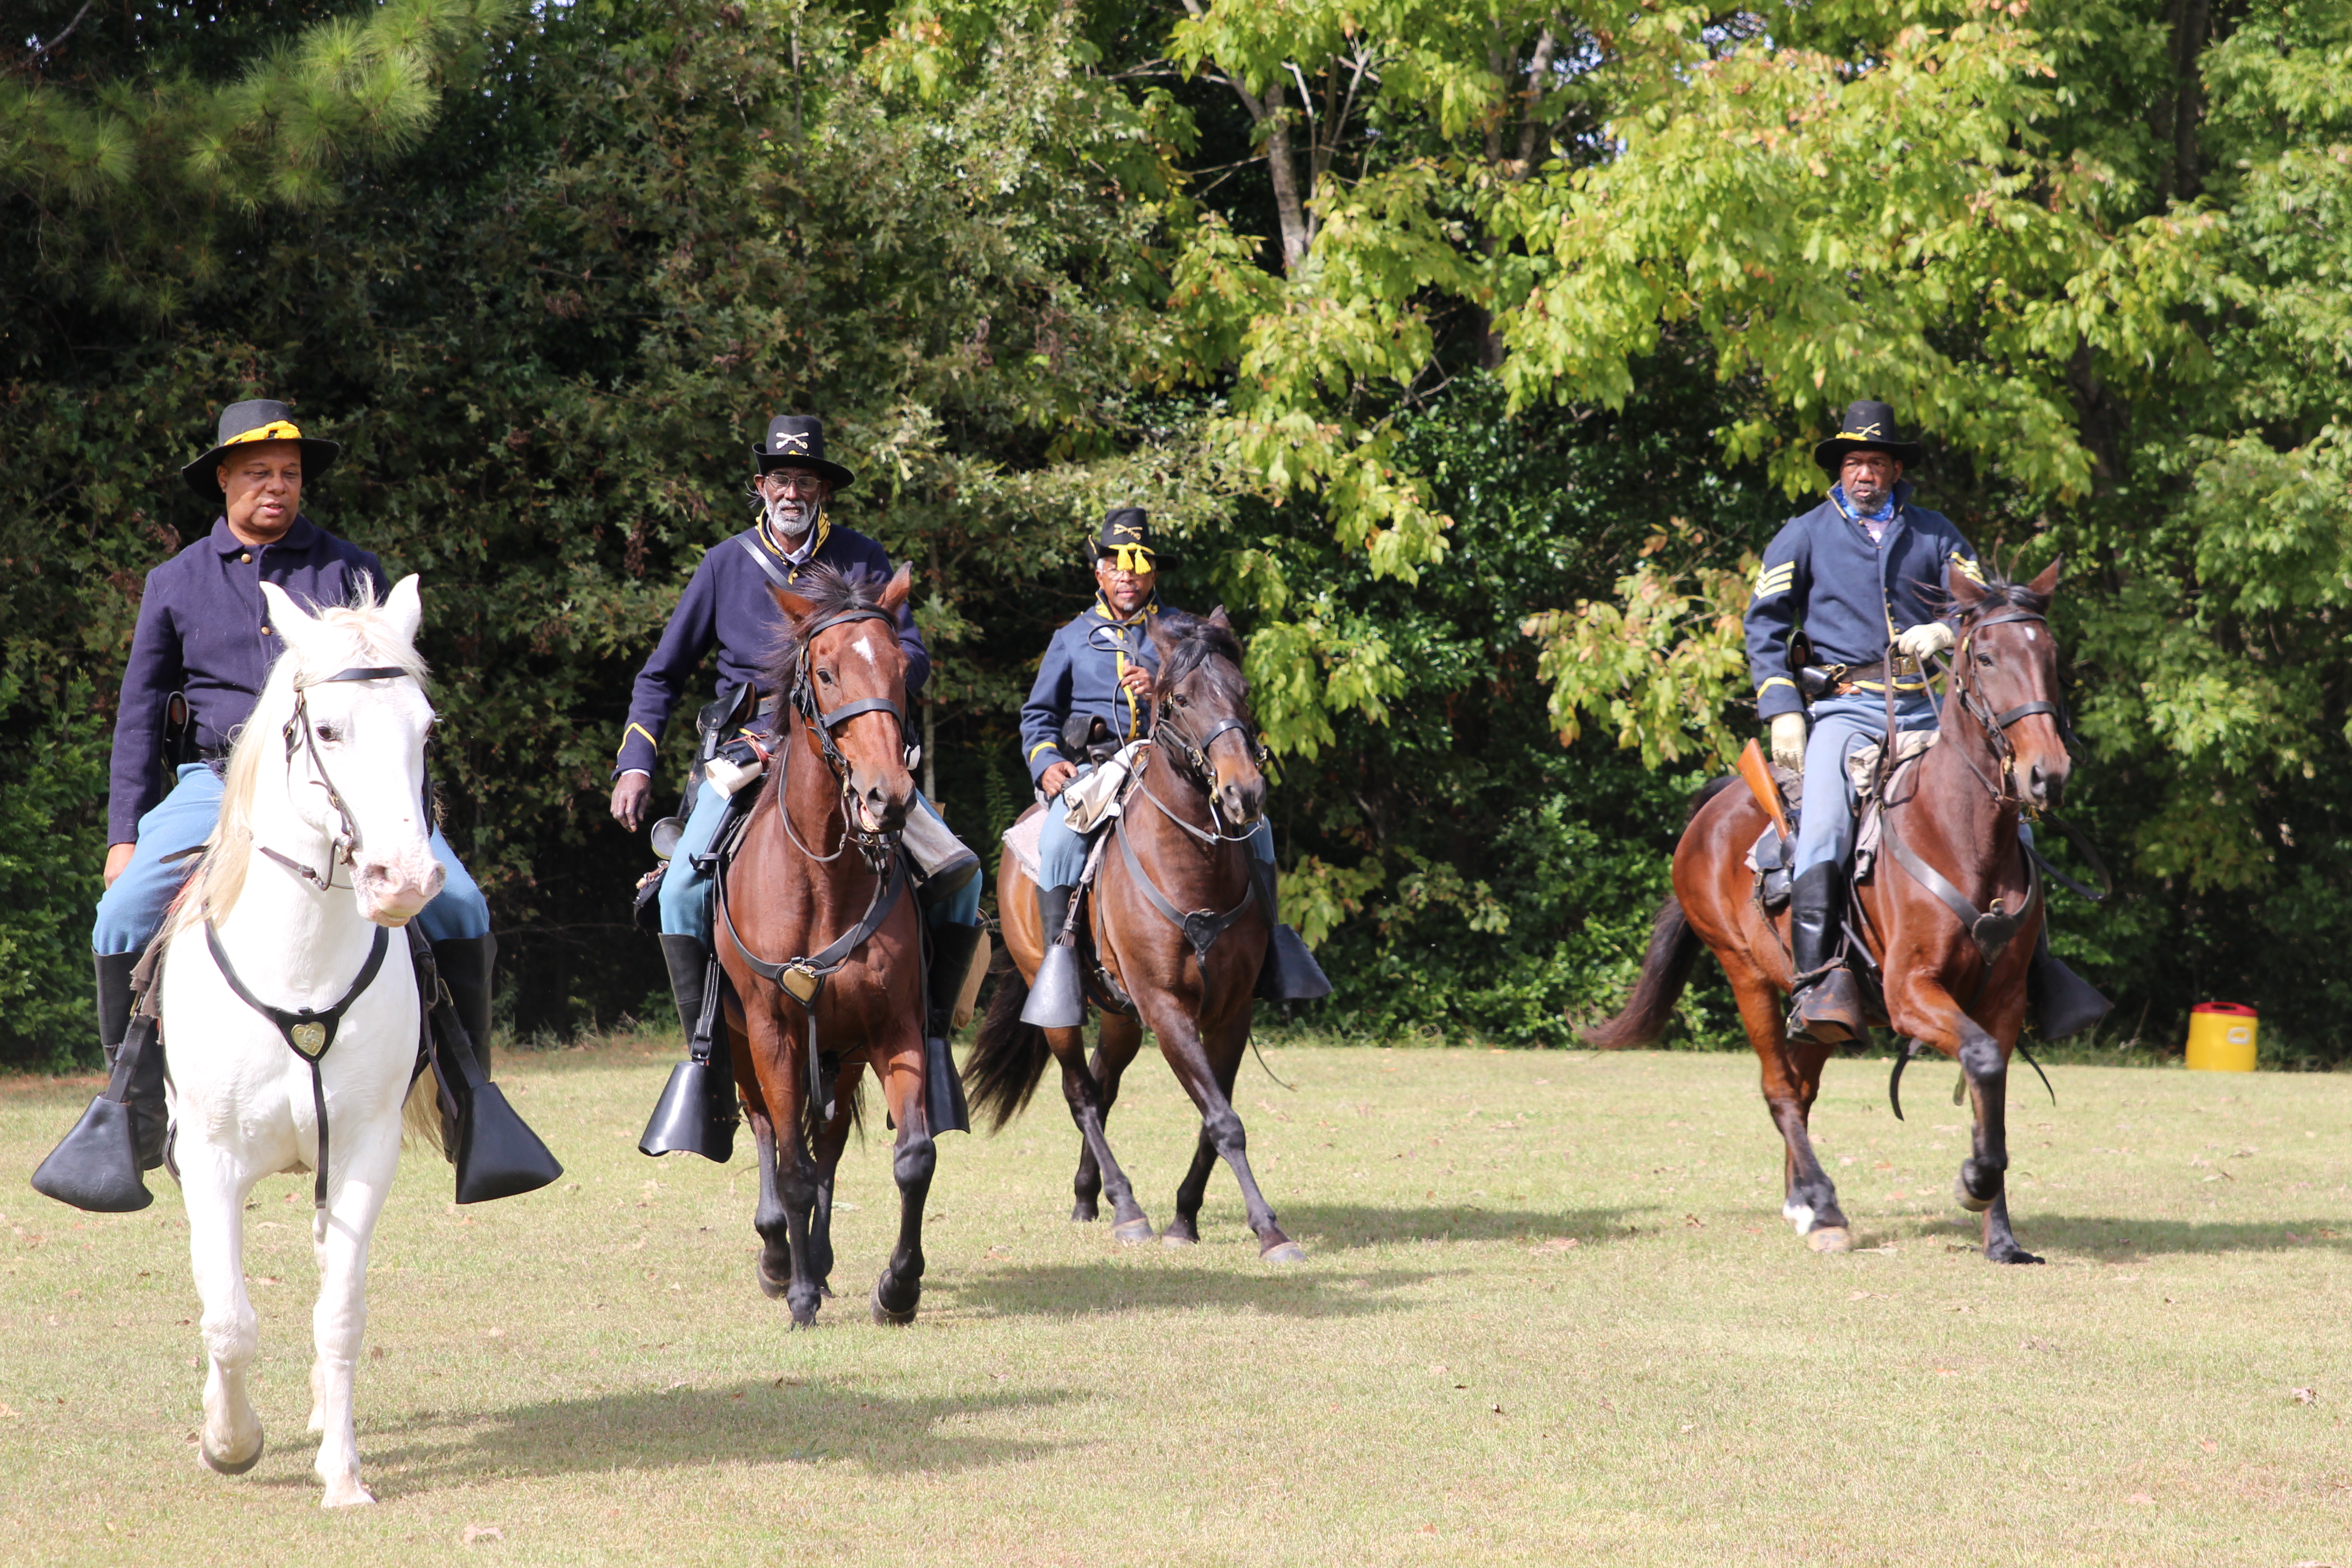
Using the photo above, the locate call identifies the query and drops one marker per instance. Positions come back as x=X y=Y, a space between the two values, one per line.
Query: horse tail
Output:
x=1010 y=1056
x=1673 y=947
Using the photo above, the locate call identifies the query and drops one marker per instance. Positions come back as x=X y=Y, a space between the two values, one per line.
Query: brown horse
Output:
x=821 y=944
x=1169 y=850
x=1957 y=984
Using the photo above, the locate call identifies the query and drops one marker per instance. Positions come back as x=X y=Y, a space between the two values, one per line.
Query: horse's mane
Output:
x=1194 y=642
x=220 y=875
x=829 y=593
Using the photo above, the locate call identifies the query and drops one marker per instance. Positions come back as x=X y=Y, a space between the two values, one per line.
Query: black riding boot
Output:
x=121 y=1133
x=1827 y=1006
x=695 y=1113
x=1058 y=994
x=2063 y=1003
x=1289 y=973
x=952 y=947
x=468 y=966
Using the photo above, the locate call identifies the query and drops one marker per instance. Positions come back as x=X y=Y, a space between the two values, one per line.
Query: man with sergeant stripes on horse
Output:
x=202 y=652
x=728 y=608
x=1860 y=578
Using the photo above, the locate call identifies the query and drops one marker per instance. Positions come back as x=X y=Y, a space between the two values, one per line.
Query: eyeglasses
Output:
x=794 y=482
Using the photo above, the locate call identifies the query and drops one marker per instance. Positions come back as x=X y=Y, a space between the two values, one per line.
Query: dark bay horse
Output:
x=1200 y=1005
x=1958 y=987
x=817 y=868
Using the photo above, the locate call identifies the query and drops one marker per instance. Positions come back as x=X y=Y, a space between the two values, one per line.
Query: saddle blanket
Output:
x=1909 y=747
x=1021 y=839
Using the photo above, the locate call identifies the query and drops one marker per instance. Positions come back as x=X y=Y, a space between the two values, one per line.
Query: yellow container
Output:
x=2221 y=1037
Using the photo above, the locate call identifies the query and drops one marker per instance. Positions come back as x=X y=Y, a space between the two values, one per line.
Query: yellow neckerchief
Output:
x=808 y=553
x=1149 y=607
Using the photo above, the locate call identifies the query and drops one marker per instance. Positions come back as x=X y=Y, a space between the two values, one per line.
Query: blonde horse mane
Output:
x=219 y=877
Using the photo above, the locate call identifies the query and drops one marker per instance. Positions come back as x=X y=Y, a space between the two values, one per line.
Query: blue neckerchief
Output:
x=1885 y=513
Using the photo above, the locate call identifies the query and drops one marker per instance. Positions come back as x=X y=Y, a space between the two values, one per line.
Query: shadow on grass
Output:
x=794 y=1422
x=1083 y=1290
x=2122 y=1239
x=1350 y=1225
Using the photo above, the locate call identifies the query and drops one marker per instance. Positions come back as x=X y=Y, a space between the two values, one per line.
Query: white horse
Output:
x=327 y=776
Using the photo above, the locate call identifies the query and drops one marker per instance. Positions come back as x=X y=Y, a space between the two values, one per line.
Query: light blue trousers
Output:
x=1062 y=854
x=685 y=898
x=1842 y=726
x=133 y=910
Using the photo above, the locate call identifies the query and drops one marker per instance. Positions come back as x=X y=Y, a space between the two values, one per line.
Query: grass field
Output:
x=1550 y=1314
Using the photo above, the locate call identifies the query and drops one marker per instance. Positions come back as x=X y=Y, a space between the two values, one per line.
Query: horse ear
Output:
x=900 y=586
x=1217 y=619
x=796 y=609
x=2047 y=583
x=406 y=607
x=292 y=623
x=1965 y=590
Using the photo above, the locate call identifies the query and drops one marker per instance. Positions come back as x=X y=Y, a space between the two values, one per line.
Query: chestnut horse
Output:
x=1957 y=985
x=807 y=1028
x=1199 y=1004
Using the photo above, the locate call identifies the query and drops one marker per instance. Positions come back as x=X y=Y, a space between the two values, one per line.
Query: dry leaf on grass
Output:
x=483 y=1533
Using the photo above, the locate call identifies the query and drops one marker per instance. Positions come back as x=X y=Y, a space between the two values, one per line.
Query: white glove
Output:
x=1928 y=637
x=1788 y=740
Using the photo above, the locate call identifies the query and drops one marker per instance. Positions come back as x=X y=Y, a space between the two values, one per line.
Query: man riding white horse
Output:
x=728 y=607
x=1091 y=699
x=199 y=658
x=1862 y=576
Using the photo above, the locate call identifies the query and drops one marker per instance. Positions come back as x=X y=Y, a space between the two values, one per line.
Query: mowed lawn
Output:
x=1550 y=1314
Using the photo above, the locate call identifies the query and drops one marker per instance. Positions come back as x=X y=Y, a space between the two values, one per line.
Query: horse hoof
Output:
x=219 y=1466
x=347 y=1493
x=1171 y=1237
x=2012 y=1252
x=1283 y=1252
x=770 y=1287
x=1132 y=1231
x=1968 y=1200
x=887 y=1318
x=1829 y=1238
x=1083 y=1214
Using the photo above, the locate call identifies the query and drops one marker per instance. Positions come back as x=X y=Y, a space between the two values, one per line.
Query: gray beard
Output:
x=791 y=520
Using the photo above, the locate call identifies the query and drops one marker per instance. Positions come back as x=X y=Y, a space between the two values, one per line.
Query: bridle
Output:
x=876 y=848
x=1191 y=756
x=346 y=838
x=1996 y=725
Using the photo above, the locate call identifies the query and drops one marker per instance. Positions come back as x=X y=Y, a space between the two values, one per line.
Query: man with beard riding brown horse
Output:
x=1861 y=577
x=730 y=607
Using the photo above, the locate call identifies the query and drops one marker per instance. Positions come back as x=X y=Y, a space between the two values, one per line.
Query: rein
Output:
x=875 y=847
x=1167 y=730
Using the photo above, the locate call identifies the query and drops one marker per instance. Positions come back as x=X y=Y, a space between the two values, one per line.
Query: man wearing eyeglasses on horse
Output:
x=726 y=607
x=201 y=651
x=1092 y=698
x=1862 y=575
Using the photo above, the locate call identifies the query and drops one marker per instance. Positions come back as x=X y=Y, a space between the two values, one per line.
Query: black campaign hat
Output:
x=262 y=420
x=1127 y=535
x=797 y=441
x=1868 y=428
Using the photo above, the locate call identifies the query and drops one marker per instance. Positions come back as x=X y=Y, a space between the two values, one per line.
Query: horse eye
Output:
x=825 y=676
x=1984 y=661
x=329 y=734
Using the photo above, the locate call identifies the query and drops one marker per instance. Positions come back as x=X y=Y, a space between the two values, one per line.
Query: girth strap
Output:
x=308 y=1033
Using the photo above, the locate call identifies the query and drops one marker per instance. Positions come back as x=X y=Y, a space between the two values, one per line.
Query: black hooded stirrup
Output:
x=497 y=1154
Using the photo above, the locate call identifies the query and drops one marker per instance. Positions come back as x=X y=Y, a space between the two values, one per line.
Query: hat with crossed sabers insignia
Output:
x=1868 y=428
x=1126 y=540
x=797 y=441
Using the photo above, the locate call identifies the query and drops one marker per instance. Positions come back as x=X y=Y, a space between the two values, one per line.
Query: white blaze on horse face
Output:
x=2031 y=635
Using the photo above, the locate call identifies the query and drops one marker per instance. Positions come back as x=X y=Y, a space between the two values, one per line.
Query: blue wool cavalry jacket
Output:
x=1852 y=598
x=203 y=628
x=727 y=603
x=1080 y=675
